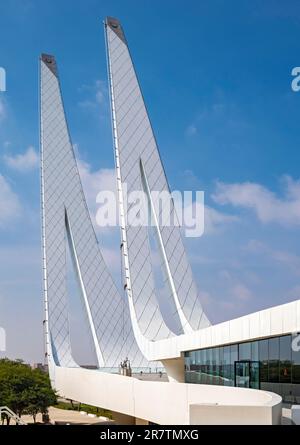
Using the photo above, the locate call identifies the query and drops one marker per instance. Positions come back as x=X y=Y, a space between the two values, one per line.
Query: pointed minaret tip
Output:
x=50 y=62
x=115 y=25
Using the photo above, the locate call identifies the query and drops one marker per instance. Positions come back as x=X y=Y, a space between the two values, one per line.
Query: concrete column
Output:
x=174 y=369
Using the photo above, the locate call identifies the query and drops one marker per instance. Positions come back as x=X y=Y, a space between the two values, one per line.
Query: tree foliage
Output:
x=24 y=390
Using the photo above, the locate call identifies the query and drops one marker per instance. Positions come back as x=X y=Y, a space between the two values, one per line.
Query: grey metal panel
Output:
x=62 y=197
x=136 y=142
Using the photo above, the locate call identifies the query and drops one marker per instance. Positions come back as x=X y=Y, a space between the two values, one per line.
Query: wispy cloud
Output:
x=267 y=206
x=214 y=220
x=94 y=95
x=242 y=292
x=24 y=162
x=191 y=130
x=290 y=260
x=217 y=115
x=94 y=182
x=10 y=207
x=233 y=302
x=6 y=144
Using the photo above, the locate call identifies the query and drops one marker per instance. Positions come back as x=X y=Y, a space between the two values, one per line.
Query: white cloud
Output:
x=101 y=91
x=191 y=130
x=193 y=221
x=242 y=292
x=267 y=206
x=93 y=182
x=97 y=94
x=191 y=180
x=23 y=162
x=105 y=180
x=6 y=144
x=10 y=207
x=215 y=220
x=237 y=297
x=291 y=260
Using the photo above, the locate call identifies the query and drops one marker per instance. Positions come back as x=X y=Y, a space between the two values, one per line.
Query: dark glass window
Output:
x=285 y=356
x=244 y=351
x=187 y=361
x=254 y=375
x=197 y=361
x=192 y=367
x=200 y=365
x=226 y=366
x=254 y=351
x=193 y=362
x=233 y=358
x=209 y=365
x=203 y=366
x=295 y=359
x=215 y=360
x=263 y=352
x=188 y=367
x=274 y=360
x=221 y=364
x=233 y=353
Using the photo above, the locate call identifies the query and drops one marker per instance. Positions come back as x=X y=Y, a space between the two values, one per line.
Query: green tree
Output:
x=24 y=390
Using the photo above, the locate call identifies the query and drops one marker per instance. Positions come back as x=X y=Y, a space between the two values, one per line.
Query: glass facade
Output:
x=272 y=364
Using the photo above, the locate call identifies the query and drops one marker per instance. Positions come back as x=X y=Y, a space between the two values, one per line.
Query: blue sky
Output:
x=216 y=76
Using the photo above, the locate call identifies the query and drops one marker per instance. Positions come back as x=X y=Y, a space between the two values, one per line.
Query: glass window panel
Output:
x=254 y=351
x=214 y=355
x=263 y=352
x=198 y=357
x=193 y=358
x=274 y=360
x=217 y=371
x=233 y=358
x=285 y=355
x=201 y=365
x=209 y=366
x=187 y=363
x=296 y=360
x=226 y=366
x=244 y=351
x=254 y=374
x=215 y=360
x=274 y=348
x=221 y=370
x=233 y=353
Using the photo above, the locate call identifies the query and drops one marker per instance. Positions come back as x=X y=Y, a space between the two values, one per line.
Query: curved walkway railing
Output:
x=7 y=412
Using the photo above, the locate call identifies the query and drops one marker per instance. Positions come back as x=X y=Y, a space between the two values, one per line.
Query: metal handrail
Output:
x=8 y=412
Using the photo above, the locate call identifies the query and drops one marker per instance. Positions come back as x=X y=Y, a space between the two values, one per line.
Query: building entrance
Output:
x=246 y=374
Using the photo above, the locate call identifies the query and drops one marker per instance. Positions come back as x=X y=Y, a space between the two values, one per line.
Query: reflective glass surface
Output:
x=274 y=360
x=272 y=364
x=285 y=356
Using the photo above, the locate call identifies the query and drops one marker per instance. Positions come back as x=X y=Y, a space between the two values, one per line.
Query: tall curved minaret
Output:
x=139 y=168
x=66 y=224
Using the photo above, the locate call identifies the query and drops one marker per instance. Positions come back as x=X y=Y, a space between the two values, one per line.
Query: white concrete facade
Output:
x=275 y=321
x=169 y=403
